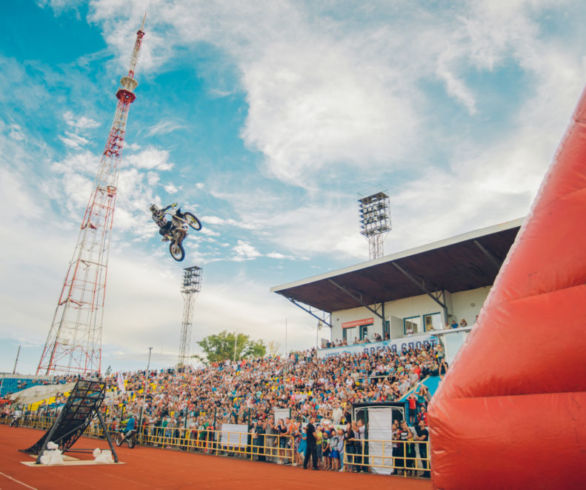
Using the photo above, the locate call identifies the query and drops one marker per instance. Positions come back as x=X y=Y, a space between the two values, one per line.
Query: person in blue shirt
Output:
x=130 y=424
x=129 y=431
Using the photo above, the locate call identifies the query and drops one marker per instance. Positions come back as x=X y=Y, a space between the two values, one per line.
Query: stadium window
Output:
x=350 y=334
x=386 y=329
x=363 y=331
x=412 y=325
x=433 y=321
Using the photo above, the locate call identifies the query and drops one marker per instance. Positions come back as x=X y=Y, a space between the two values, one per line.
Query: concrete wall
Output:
x=467 y=304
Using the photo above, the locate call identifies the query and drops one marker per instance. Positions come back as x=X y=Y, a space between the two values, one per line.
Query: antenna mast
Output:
x=74 y=342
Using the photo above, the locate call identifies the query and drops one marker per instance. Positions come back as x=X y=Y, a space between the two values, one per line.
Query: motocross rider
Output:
x=165 y=225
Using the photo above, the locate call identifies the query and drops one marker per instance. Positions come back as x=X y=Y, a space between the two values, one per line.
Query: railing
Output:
x=407 y=458
x=263 y=447
x=245 y=444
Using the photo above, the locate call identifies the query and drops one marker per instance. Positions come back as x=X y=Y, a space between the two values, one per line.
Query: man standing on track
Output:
x=311 y=449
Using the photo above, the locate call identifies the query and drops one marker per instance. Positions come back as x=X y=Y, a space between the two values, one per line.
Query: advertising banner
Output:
x=357 y=323
x=396 y=345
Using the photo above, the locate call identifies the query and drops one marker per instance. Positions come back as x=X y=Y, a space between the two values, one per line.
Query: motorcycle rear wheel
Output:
x=192 y=221
x=176 y=251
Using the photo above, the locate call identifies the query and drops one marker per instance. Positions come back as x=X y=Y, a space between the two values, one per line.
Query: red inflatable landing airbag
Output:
x=511 y=412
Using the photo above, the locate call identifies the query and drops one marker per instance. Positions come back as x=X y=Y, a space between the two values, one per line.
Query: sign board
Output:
x=281 y=413
x=234 y=435
x=380 y=435
x=357 y=323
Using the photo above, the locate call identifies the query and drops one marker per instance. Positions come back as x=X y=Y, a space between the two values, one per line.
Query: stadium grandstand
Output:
x=387 y=352
x=420 y=295
x=262 y=405
x=11 y=383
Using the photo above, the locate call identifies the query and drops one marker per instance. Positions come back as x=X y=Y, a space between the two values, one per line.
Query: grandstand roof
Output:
x=460 y=263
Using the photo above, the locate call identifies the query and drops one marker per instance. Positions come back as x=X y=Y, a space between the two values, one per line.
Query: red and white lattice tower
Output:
x=74 y=343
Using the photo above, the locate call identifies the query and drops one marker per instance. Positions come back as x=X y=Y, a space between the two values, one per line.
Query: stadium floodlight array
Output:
x=375 y=222
x=191 y=286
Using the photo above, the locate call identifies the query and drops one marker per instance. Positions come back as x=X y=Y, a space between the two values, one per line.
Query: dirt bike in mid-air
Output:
x=175 y=230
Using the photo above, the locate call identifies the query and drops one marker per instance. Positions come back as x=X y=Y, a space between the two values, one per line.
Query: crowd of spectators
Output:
x=247 y=391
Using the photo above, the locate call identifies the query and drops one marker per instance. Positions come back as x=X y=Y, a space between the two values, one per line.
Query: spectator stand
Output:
x=12 y=384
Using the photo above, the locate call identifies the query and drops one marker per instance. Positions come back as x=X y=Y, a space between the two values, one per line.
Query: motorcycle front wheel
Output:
x=177 y=252
x=192 y=221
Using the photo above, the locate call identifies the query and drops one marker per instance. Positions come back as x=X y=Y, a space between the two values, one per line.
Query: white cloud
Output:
x=209 y=232
x=164 y=127
x=138 y=184
x=326 y=225
x=311 y=108
x=143 y=300
x=83 y=162
x=216 y=220
x=245 y=251
x=79 y=122
x=331 y=90
x=327 y=91
x=150 y=158
x=15 y=132
x=73 y=140
x=170 y=189
x=455 y=86
x=279 y=256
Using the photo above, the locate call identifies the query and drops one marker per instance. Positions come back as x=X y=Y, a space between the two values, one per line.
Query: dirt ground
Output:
x=157 y=468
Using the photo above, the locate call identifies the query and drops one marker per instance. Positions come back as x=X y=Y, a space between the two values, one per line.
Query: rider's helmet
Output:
x=154 y=208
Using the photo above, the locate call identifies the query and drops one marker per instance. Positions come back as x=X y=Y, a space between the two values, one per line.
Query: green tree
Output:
x=230 y=345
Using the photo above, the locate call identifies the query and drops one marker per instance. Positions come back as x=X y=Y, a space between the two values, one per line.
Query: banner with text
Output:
x=358 y=323
x=396 y=345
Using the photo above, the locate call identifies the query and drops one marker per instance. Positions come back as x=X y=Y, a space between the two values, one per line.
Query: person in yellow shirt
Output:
x=319 y=446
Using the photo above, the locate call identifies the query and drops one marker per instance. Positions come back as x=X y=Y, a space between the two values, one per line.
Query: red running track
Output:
x=158 y=468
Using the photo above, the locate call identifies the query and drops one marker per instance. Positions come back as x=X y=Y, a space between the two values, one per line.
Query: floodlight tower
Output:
x=74 y=342
x=375 y=222
x=191 y=286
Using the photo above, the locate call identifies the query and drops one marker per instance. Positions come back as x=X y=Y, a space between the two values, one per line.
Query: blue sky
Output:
x=268 y=119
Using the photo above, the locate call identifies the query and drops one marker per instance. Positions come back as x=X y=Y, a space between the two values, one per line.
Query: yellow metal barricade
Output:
x=263 y=447
x=407 y=458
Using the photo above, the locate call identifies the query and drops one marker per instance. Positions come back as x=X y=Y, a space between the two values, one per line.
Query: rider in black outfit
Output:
x=165 y=226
